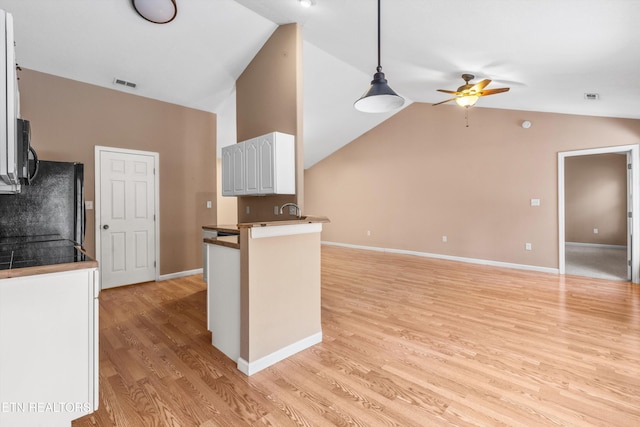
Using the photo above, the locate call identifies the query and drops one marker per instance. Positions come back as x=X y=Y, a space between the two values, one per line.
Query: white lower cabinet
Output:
x=223 y=299
x=48 y=348
x=260 y=166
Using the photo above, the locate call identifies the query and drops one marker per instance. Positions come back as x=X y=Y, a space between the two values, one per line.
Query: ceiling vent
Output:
x=592 y=96
x=124 y=83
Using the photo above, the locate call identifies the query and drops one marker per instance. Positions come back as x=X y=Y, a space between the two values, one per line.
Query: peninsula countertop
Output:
x=306 y=219
x=228 y=234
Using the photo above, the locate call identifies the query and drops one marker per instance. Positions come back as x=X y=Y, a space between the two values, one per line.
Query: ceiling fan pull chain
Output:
x=466 y=115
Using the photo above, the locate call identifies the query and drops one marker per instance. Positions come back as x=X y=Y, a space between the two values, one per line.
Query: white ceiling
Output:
x=550 y=52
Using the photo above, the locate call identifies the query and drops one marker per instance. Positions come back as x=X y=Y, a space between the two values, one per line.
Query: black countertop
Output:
x=34 y=251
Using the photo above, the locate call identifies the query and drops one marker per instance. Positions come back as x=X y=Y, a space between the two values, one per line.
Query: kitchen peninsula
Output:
x=263 y=289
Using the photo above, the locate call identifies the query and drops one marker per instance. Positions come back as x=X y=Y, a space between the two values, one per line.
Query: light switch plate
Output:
x=535 y=202
x=88 y=205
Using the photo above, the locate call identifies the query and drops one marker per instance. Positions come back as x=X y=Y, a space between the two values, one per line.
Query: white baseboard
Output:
x=250 y=368
x=179 y=274
x=595 y=245
x=449 y=258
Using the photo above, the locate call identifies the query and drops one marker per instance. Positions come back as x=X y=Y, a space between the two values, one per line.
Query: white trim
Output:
x=250 y=368
x=595 y=245
x=156 y=178
x=285 y=230
x=449 y=258
x=634 y=150
x=179 y=274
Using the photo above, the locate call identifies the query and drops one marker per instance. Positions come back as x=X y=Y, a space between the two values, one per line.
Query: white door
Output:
x=629 y=214
x=127 y=218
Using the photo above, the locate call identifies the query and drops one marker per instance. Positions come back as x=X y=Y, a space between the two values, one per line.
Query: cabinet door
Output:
x=266 y=149
x=252 y=166
x=227 y=171
x=238 y=169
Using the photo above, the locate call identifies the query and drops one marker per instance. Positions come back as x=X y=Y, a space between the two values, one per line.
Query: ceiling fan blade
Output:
x=480 y=85
x=493 y=91
x=443 y=102
x=448 y=91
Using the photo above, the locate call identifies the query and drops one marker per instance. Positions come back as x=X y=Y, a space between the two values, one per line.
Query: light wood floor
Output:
x=408 y=341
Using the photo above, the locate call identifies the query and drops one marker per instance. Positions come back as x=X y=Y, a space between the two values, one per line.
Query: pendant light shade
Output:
x=379 y=98
x=156 y=11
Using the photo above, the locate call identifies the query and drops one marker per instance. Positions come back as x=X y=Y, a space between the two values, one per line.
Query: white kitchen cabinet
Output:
x=260 y=166
x=227 y=171
x=276 y=164
x=49 y=351
x=9 y=109
x=251 y=166
x=223 y=299
x=233 y=176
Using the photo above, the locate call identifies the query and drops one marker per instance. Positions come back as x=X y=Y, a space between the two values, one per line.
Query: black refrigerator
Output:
x=45 y=222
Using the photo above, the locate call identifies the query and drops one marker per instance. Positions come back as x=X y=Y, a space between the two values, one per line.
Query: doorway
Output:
x=127 y=217
x=621 y=261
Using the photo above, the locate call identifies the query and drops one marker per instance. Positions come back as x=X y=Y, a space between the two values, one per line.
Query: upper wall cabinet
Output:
x=259 y=166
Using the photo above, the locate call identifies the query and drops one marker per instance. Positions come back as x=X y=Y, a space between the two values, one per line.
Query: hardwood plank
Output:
x=407 y=341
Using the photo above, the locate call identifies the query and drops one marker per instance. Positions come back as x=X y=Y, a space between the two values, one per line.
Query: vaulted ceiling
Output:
x=550 y=52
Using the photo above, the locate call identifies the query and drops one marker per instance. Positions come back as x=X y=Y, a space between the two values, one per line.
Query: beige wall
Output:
x=268 y=99
x=422 y=174
x=70 y=118
x=596 y=197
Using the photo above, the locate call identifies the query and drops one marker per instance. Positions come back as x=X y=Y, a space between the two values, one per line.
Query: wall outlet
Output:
x=368 y=232
x=208 y=204
x=444 y=239
x=88 y=204
x=535 y=202
x=276 y=211
x=527 y=246
x=248 y=210
x=596 y=231
x=292 y=210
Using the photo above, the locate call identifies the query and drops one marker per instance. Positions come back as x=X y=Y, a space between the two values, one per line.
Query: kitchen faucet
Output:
x=294 y=205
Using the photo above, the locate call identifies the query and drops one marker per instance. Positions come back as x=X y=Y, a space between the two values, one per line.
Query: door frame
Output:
x=634 y=151
x=99 y=149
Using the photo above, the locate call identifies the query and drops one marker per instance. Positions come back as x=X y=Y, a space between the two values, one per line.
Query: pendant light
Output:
x=379 y=98
x=156 y=11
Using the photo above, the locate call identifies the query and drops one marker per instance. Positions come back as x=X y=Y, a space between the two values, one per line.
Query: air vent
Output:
x=124 y=83
x=592 y=96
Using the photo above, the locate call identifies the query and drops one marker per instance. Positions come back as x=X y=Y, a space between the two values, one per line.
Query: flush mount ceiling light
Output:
x=156 y=11
x=306 y=3
x=379 y=98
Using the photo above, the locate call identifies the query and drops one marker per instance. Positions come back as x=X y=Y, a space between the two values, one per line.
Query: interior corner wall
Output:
x=596 y=198
x=69 y=118
x=268 y=99
x=422 y=175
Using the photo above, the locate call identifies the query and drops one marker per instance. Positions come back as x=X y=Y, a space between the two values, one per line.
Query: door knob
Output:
x=106 y=226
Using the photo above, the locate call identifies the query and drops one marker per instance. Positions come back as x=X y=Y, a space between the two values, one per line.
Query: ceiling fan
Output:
x=467 y=94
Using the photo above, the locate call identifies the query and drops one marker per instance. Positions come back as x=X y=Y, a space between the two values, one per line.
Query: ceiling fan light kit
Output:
x=307 y=3
x=469 y=93
x=379 y=98
x=156 y=11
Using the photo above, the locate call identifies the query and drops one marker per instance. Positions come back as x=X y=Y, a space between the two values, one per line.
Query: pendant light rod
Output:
x=379 y=98
x=379 y=62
